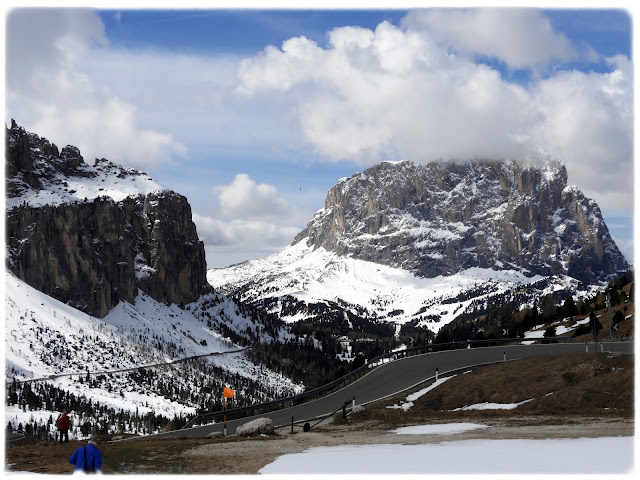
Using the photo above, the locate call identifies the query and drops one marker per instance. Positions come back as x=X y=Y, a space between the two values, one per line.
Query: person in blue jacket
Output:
x=87 y=459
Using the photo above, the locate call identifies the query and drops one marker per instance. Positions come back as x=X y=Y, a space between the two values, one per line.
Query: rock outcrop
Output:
x=445 y=217
x=259 y=426
x=89 y=236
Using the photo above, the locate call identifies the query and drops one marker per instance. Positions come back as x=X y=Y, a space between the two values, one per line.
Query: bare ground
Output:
x=575 y=395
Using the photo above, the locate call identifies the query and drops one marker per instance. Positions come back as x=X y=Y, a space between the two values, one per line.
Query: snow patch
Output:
x=492 y=406
x=510 y=456
x=441 y=429
x=415 y=396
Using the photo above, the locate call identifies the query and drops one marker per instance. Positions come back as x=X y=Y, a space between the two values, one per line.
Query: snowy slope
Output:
x=390 y=294
x=45 y=337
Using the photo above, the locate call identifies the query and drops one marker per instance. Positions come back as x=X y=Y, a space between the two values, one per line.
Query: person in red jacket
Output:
x=63 y=422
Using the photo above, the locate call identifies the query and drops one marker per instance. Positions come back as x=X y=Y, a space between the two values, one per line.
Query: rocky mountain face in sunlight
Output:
x=445 y=217
x=91 y=236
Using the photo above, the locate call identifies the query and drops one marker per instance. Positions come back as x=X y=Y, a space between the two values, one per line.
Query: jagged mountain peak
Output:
x=39 y=174
x=91 y=236
x=444 y=217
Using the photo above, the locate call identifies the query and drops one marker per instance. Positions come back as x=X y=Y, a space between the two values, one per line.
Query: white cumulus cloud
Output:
x=252 y=221
x=49 y=90
x=406 y=92
x=587 y=122
x=233 y=241
x=522 y=38
x=245 y=198
x=391 y=93
x=243 y=234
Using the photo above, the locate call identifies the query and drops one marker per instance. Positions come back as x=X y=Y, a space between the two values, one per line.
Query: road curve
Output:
x=400 y=375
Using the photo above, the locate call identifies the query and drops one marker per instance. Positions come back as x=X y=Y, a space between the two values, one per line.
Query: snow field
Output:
x=105 y=179
x=477 y=457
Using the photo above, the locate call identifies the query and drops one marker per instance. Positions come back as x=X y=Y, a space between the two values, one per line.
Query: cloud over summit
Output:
x=418 y=92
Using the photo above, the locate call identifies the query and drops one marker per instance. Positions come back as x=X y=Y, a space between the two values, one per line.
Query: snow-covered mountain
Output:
x=300 y=283
x=106 y=295
x=423 y=244
x=444 y=217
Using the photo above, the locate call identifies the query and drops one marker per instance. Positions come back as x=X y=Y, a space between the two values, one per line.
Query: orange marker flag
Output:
x=227 y=392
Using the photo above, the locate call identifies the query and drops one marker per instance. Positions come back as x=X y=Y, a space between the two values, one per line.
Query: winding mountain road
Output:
x=400 y=375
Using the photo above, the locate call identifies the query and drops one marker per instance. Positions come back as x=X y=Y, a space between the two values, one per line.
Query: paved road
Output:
x=400 y=375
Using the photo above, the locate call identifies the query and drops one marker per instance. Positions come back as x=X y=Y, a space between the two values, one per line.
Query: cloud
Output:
x=403 y=93
x=50 y=93
x=388 y=94
x=234 y=241
x=243 y=234
x=41 y=41
x=587 y=122
x=248 y=199
x=253 y=221
x=522 y=38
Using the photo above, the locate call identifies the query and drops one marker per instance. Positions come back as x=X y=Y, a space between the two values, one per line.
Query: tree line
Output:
x=509 y=321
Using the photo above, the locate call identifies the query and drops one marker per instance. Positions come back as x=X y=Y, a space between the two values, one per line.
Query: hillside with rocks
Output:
x=108 y=313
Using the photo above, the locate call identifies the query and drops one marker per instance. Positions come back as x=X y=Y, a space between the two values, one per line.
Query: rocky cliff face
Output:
x=445 y=217
x=92 y=236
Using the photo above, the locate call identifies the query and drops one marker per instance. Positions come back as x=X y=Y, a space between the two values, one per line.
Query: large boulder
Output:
x=259 y=426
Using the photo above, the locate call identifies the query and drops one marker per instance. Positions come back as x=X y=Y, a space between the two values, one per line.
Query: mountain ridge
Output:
x=444 y=217
x=104 y=270
x=421 y=244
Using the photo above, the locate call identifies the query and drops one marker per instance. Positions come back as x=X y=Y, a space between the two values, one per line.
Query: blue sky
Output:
x=254 y=114
x=248 y=31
